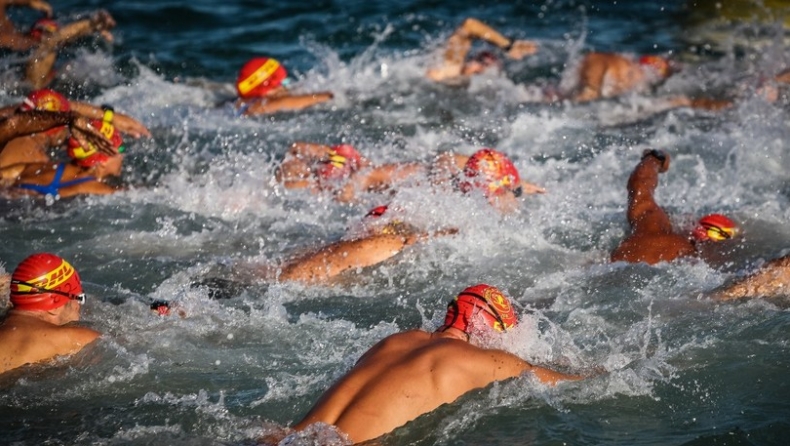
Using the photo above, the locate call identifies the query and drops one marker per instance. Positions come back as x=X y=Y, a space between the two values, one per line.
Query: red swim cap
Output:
x=46 y=100
x=715 y=227
x=45 y=272
x=491 y=171
x=258 y=76
x=90 y=156
x=43 y=27
x=658 y=63
x=340 y=161
x=484 y=300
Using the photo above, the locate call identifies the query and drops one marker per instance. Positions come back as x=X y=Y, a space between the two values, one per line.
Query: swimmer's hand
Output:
x=521 y=48
x=660 y=155
x=84 y=132
x=102 y=22
x=529 y=188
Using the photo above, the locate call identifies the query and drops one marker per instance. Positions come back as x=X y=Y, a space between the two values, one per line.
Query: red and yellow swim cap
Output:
x=340 y=161
x=259 y=76
x=491 y=171
x=45 y=272
x=658 y=63
x=715 y=227
x=43 y=27
x=90 y=156
x=480 y=302
x=46 y=100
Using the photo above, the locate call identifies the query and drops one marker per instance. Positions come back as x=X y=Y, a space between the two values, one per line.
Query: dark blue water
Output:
x=682 y=368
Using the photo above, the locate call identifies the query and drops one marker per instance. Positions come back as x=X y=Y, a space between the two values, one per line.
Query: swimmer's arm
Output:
x=25 y=123
x=496 y=365
x=377 y=179
x=709 y=104
x=515 y=49
x=342 y=256
x=125 y=124
x=100 y=22
x=772 y=280
x=643 y=212
x=531 y=188
x=783 y=77
x=283 y=103
x=308 y=150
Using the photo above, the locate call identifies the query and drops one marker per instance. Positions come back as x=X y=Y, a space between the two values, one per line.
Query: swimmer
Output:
x=318 y=166
x=86 y=174
x=31 y=122
x=414 y=372
x=262 y=87
x=46 y=295
x=39 y=70
x=487 y=171
x=455 y=65
x=652 y=238
x=35 y=147
x=342 y=170
x=608 y=75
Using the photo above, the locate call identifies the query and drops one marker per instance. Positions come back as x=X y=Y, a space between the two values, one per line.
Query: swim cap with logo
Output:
x=259 y=76
x=715 y=227
x=341 y=160
x=43 y=27
x=490 y=171
x=392 y=227
x=90 y=156
x=480 y=302
x=44 y=282
x=46 y=100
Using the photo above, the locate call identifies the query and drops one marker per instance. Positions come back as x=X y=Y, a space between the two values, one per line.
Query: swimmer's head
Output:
x=492 y=172
x=480 y=306
x=44 y=282
x=342 y=160
x=90 y=156
x=45 y=100
x=43 y=27
x=660 y=65
x=260 y=76
x=715 y=227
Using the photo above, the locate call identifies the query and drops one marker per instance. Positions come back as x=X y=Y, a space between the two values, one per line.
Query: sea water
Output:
x=679 y=367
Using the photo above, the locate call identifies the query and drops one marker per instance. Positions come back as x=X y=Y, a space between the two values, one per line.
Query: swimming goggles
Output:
x=80 y=298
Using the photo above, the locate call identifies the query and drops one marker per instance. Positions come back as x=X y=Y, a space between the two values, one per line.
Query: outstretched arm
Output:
x=284 y=103
x=125 y=124
x=772 y=280
x=644 y=214
x=342 y=256
x=377 y=179
x=460 y=42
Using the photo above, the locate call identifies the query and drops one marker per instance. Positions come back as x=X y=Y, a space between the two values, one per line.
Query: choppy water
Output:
x=683 y=369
